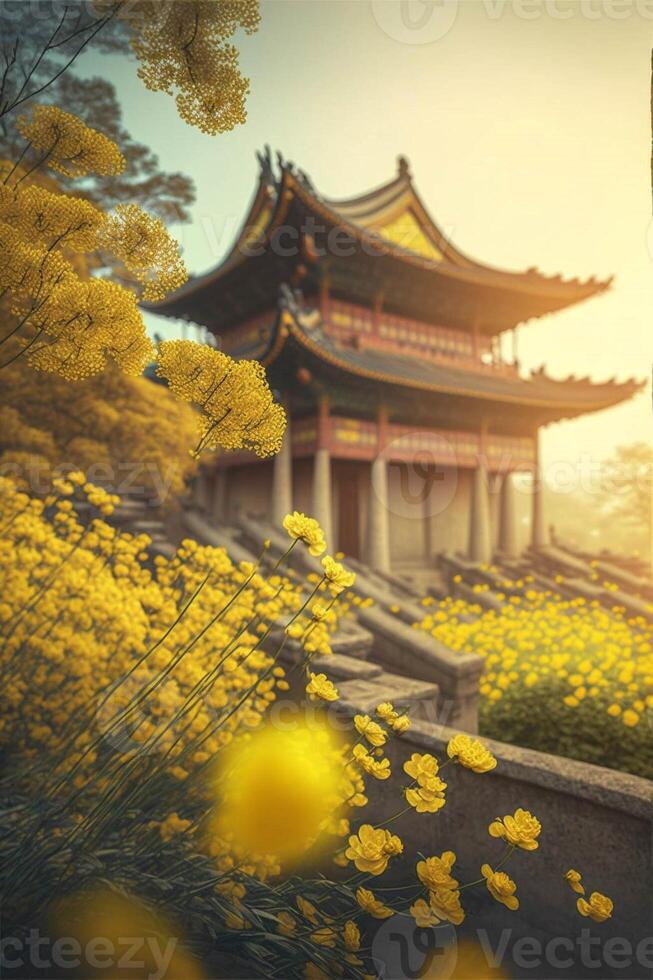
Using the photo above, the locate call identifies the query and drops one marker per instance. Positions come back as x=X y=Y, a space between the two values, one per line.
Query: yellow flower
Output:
x=306 y=529
x=386 y=711
x=423 y=914
x=501 y=887
x=599 y=908
x=378 y=769
x=319 y=611
x=320 y=687
x=630 y=718
x=372 y=732
x=574 y=880
x=324 y=937
x=435 y=872
x=445 y=903
x=423 y=769
x=400 y=724
x=287 y=924
x=370 y=904
x=520 y=830
x=173 y=825
x=337 y=575
x=427 y=800
x=371 y=849
x=351 y=936
x=307 y=909
x=471 y=753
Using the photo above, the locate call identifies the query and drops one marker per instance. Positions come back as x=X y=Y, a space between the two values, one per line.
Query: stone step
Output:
x=352 y=640
x=421 y=697
x=339 y=667
x=147 y=526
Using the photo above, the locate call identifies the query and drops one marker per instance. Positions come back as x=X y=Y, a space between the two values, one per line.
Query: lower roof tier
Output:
x=297 y=350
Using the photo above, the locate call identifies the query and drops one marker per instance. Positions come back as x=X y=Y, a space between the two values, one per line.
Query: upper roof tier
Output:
x=380 y=246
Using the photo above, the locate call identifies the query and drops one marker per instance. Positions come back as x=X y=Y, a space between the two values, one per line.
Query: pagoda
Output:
x=386 y=345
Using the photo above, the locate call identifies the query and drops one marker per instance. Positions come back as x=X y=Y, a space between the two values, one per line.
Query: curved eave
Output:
x=236 y=255
x=553 y=292
x=605 y=395
x=530 y=283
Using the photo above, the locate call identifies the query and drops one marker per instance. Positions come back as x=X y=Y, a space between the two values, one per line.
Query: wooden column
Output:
x=508 y=540
x=322 y=491
x=539 y=530
x=515 y=347
x=378 y=515
x=201 y=491
x=282 y=497
x=480 y=537
x=476 y=323
x=376 y=314
x=219 y=496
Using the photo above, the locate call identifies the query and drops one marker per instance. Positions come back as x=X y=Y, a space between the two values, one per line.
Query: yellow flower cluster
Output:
x=371 y=848
x=398 y=723
x=83 y=613
x=64 y=322
x=561 y=675
x=599 y=907
x=142 y=243
x=428 y=795
x=306 y=529
x=236 y=404
x=520 y=830
x=86 y=323
x=444 y=892
x=51 y=220
x=471 y=753
x=68 y=145
x=185 y=50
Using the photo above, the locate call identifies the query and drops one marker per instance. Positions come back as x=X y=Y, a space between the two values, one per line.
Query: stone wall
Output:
x=595 y=820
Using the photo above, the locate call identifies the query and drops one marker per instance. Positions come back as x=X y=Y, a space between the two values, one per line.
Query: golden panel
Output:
x=406 y=232
x=255 y=230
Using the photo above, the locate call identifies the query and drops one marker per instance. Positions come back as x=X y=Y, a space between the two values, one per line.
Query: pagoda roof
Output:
x=548 y=397
x=395 y=232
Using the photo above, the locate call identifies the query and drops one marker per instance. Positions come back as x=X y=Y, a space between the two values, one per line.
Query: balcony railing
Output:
x=360 y=326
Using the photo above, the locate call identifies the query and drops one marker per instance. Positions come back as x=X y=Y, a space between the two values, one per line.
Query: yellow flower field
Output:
x=563 y=676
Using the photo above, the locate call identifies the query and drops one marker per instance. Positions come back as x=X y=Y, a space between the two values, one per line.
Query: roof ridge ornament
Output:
x=264 y=158
x=403 y=168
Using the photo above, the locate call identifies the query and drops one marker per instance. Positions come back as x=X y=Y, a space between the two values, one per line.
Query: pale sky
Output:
x=527 y=127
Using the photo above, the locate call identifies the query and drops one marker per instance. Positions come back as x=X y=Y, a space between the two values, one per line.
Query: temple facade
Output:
x=407 y=418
